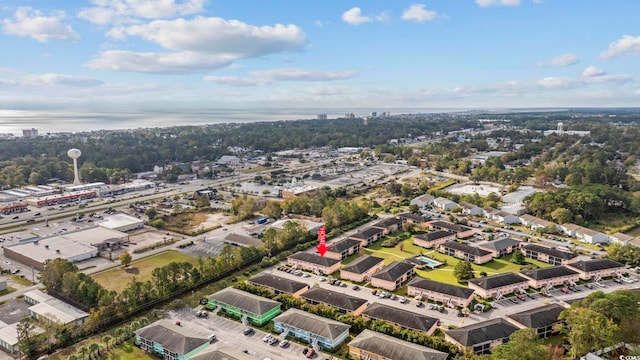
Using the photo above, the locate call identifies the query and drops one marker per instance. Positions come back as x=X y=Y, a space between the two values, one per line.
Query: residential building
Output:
x=527 y=219
x=362 y=269
x=433 y=239
x=544 y=319
x=624 y=239
x=318 y=331
x=403 y=318
x=170 y=340
x=548 y=255
x=504 y=217
x=279 y=285
x=488 y=212
x=222 y=352
x=240 y=304
x=368 y=236
x=591 y=236
x=460 y=230
x=393 y=275
x=465 y=252
x=313 y=262
x=551 y=276
x=342 y=249
x=496 y=286
x=596 y=269
x=440 y=292
x=371 y=345
x=423 y=201
x=444 y=204
x=388 y=225
x=500 y=247
x=482 y=337
x=470 y=209
x=345 y=304
x=9 y=337
x=413 y=219
x=569 y=229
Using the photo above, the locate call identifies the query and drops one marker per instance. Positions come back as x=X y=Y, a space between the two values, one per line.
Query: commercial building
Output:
x=62 y=198
x=393 y=275
x=57 y=311
x=371 y=345
x=482 y=337
x=342 y=249
x=313 y=262
x=248 y=307
x=122 y=222
x=279 y=285
x=548 y=255
x=496 y=286
x=170 y=340
x=440 y=292
x=465 y=252
x=362 y=269
x=242 y=240
x=318 y=331
x=345 y=304
x=544 y=319
x=403 y=318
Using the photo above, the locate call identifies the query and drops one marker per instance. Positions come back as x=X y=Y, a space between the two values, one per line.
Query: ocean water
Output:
x=53 y=121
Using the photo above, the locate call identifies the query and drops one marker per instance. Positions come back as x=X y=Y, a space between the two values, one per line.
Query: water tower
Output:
x=75 y=154
x=560 y=128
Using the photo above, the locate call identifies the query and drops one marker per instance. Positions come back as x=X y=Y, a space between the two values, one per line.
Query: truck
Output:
x=262 y=220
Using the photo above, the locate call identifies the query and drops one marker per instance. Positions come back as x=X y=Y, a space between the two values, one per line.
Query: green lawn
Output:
x=118 y=278
x=443 y=273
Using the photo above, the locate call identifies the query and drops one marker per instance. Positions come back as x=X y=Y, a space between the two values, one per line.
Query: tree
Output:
x=125 y=259
x=414 y=209
x=273 y=210
x=562 y=215
x=27 y=340
x=524 y=344
x=151 y=213
x=463 y=271
x=518 y=257
x=587 y=330
x=628 y=254
x=106 y=340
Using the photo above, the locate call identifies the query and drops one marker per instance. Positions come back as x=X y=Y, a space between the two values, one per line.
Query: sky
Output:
x=197 y=54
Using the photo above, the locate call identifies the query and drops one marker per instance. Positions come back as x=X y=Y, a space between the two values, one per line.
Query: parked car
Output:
x=310 y=353
x=565 y=290
x=356 y=287
x=284 y=343
x=248 y=331
x=374 y=292
x=419 y=304
x=403 y=300
x=272 y=341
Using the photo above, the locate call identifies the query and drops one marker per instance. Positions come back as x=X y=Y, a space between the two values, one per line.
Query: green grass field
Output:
x=118 y=278
x=443 y=273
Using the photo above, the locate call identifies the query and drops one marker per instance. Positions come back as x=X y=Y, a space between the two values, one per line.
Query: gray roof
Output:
x=404 y=318
x=175 y=338
x=394 y=271
x=329 y=329
x=496 y=281
x=473 y=250
x=442 y=288
x=435 y=235
x=242 y=240
x=278 y=283
x=482 y=332
x=548 y=273
x=388 y=222
x=393 y=348
x=245 y=301
x=414 y=217
x=362 y=264
x=217 y=352
x=450 y=226
x=500 y=244
x=549 y=251
x=596 y=264
x=539 y=317
x=332 y=298
x=366 y=233
x=342 y=245
x=314 y=259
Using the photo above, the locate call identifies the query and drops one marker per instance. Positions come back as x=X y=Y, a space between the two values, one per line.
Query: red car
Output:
x=310 y=353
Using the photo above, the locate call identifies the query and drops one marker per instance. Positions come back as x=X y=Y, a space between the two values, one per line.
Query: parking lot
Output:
x=230 y=333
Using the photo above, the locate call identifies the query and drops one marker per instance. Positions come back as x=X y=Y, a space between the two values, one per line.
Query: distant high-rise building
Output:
x=30 y=133
x=349 y=115
x=322 y=116
x=374 y=114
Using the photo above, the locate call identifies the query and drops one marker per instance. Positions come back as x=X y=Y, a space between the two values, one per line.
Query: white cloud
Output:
x=262 y=77
x=107 y=12
x=28 y=22
x=562 y=60
x=50 y=80
x=486 y=3
x=215 y=35
x=592 y=71
x=151 y=62
x=626 y=45
x=553 y=82
x=304 y=75
x=354 y=16
x=418 y=12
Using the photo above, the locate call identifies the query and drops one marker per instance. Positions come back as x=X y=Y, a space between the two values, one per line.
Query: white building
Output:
x=122 y=222
x=591 y=236
x=444 y=203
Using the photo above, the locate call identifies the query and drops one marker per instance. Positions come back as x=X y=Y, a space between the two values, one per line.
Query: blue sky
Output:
x=315 y=54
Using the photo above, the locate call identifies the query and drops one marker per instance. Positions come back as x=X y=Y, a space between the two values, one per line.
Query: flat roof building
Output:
x=122 y=222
